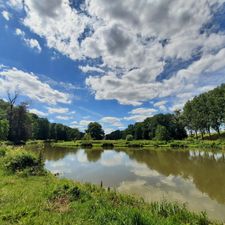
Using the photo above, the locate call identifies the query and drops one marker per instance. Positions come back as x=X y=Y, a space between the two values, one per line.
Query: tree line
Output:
x=18 y=125
x=205 y=112
x=201 y=115
x=158 y=127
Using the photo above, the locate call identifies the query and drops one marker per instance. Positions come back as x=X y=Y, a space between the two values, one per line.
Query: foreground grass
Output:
x=45 y=199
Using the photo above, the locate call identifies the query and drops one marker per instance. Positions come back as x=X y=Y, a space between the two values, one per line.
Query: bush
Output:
x=107 y=145
x=2 y=152
x=129 y=137
x=24 y=162
x=86 y=145
x=69 y=191
x=135 y=145
x=178 y=145
x=87 y=137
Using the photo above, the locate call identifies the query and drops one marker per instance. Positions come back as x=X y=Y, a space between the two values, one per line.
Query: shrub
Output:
x=2 y=152
x=87 y=137
x=107 y=145
x=69 y=191
x=129 y=137
x=178 y=145
x=24 y=162
x=86 y=145
x=135 y=145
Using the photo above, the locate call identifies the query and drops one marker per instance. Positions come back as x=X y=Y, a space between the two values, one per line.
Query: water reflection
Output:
x=194 y=177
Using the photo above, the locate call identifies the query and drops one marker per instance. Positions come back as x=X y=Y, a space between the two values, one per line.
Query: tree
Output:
x=12 y=101
x=4 y=129
x=129 y=137
x=87 y=137
x=138 y=131
x=42 y=129
x=21 y=128
x=115 y=135
x=162 y=133
x=95 y=130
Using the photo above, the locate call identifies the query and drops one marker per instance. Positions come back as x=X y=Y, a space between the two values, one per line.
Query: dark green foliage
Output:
x=162 y=133
x=115 y=135
x=41 y=129
x=107 y=145
x=20 y=125
x=129 y=137
x=4 y=129
x=72 y=192
x=87 y=137
x=86 y=145
x=24 y=161
x=205 y=112
x=178 y=145
x=95 y=130
x=147 y=129
x=2 y=152
x=135 y=145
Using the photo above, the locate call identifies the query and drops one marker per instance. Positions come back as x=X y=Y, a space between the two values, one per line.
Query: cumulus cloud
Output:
x=161 y=105
x=30 y=85
x=89 y=69
x=38 y=112
x=134 y=40
x=112 y=121
x=6 y=15
x=58 y=110
x=140 y=114
x=64 y=117
x=16 y=4
x=82 y=124
x=31 y=43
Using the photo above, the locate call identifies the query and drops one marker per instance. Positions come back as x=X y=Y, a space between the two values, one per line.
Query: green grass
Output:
x=46 y=200
x=184 y=144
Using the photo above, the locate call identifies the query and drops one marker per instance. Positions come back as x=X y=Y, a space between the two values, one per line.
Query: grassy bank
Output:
x=192 y=143
x=30 y=196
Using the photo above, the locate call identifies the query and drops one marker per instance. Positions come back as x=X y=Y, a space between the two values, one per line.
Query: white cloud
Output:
x=16 y=4
x=161 y=105
x=38 y=112
x=30 y=85
x=6 y=15
x=89 y=69
x=140 y=114
x=56 y=21
x=64 y=117
x=20 y=32
x=31 y=43
x=82 y=125
x=135 y=40
x=58 y=110
x=112 y=121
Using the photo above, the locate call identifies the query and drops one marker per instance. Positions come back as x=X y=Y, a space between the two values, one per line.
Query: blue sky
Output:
x=110 y=61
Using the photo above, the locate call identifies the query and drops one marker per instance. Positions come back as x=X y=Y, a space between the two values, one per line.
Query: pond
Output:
x=192 y=177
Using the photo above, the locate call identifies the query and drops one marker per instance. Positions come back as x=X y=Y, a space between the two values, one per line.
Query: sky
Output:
x=114 y=62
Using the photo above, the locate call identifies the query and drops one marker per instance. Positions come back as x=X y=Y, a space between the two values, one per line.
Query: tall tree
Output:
x=4 y=129
x=12 y=101
x=95 y=130
x=21 y=124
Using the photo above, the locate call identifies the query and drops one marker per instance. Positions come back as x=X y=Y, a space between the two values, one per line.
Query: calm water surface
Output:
x=195 y=178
